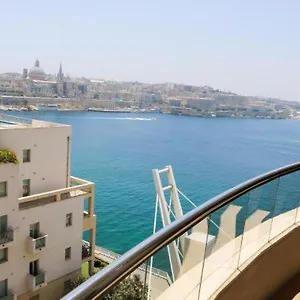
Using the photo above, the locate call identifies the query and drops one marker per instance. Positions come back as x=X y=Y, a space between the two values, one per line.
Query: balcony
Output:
x=89 y=221
x=241 y=244
x=35 y=282
x=10 y=296
x=37 y=244
x=86 y=251
x=78 y=188
x=6 y=236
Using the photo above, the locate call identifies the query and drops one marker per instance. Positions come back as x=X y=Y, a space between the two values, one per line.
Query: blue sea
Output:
x=208 y=155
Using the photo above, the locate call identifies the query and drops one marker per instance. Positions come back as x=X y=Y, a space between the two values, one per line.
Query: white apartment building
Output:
x=42 y=216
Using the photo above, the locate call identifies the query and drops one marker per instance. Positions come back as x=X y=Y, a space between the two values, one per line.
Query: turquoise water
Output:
x=208 y=155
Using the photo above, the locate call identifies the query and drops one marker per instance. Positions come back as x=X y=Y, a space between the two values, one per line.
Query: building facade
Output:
x=42 y=217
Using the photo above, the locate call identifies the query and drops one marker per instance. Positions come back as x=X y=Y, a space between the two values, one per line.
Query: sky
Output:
x=251 y=47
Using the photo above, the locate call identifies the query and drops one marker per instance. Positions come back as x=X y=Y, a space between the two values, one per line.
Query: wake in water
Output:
x=115 y=118
x=134 y=119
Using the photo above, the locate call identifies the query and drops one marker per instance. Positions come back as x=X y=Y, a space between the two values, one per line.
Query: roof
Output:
x=12 y=122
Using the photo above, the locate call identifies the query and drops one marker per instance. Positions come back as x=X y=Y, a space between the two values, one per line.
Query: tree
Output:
x=131 y=288
x=78 y=281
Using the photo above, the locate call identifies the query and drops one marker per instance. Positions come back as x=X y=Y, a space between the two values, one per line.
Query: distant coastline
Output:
x=200 y=108
x=148 y=111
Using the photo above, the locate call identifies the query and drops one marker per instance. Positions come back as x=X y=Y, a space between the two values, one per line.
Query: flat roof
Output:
x=11 y=122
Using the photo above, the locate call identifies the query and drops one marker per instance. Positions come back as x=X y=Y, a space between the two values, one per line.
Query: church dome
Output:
x=36 y=72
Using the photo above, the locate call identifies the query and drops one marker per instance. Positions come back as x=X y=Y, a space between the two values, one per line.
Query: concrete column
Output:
x=91 y=201
x=92 y=231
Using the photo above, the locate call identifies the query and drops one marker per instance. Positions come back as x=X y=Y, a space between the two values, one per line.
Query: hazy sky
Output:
x=246 y=46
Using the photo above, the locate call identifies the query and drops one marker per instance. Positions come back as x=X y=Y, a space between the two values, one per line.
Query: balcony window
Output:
x=3 y=189
x=26 y=155
x=26 y=187
x=3 y=224
x=67 y=253
x=86 y=251
x=6 y=234
x=34 y=230
x=3 y=288
x=3 y=255
x=69 y=220
x=36 y=277
x=34 y=268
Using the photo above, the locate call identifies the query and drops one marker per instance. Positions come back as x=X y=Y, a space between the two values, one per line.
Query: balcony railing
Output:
x=6 y=236
x=37 y=281
x=83 y=188
x=86 y=251
x=40 y=278
x=38 y=243
x=41 y=241
x=210 y=245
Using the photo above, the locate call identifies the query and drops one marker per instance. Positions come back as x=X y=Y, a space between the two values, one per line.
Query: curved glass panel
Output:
x=200 y=262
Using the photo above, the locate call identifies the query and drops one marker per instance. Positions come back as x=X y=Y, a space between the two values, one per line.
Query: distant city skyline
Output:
x=250 y=48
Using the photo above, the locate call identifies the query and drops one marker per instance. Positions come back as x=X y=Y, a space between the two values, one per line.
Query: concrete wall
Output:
x=50 y=162
x=9 y=173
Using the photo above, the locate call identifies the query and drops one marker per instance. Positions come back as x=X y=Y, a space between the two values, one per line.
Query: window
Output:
x=69 y=218
x=26 y=155
x=3 y=255
x=3 y=224
x=34 y=230
x=34 y=268
x=3 y=189
x=3 y=288
x=67 y=253
x=67 y=285
x=26 y=187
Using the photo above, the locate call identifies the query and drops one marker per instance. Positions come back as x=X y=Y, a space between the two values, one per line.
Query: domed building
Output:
x=36 y=72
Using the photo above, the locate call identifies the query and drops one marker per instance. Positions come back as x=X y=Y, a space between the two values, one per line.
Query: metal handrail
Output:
x=98 y=284
x=115 y=256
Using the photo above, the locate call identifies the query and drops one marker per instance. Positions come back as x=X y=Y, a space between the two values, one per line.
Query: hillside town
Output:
x=34 y=89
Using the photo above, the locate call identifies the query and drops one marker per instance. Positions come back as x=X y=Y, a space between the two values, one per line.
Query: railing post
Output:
x=172 y=248
x=176 y=202
x=91 y=201
x=58 y=197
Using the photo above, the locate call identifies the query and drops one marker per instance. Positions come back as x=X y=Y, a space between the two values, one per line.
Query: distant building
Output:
x=60 y=82
x=174 y=102
x=233 y=100
x=36 y=72
x=60 y=75
x=61 y=86
x=25 y=73
x=201 y=103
